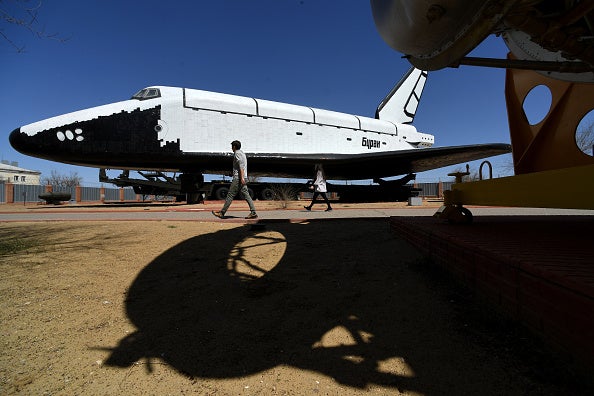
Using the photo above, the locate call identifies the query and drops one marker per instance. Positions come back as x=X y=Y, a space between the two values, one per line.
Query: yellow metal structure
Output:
x=551 y=170
x=550 y=144
x=570 y=188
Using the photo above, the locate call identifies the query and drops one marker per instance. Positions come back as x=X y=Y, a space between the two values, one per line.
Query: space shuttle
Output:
x=553 y=38
x=189 y=131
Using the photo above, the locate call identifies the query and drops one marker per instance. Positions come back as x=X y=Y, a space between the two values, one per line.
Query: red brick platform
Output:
x=536 y=269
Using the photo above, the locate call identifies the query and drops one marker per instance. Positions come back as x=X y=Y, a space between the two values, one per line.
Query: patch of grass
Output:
x=283 y=193
x=14 y=245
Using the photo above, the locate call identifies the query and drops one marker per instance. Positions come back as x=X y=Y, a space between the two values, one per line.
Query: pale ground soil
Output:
x=334 y=307
x=238 y=205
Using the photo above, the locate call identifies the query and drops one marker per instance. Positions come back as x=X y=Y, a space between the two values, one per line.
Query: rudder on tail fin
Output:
x=400 y=105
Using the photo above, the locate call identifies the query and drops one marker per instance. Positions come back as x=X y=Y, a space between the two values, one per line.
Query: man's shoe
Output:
x=252 y=215
x=219 y=214
x=329 y=210
x=307 y=208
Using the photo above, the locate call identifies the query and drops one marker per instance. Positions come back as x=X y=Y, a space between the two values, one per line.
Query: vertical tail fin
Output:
x=400 y=106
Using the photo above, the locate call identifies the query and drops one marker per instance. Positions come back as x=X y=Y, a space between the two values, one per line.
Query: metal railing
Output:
x=24 y=193
x=30 y=193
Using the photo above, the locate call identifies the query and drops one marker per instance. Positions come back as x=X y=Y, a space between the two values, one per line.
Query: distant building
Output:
x=11 y=173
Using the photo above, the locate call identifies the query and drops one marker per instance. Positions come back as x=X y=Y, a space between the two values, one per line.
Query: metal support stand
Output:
x=551 y=170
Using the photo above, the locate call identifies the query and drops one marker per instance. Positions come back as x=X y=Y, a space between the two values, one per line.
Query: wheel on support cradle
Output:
x=467 y=215
x=267 y=194
x=459 y=215
x=221 y=193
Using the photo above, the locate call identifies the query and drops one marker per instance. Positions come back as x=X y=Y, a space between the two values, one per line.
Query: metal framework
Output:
x=551 y=170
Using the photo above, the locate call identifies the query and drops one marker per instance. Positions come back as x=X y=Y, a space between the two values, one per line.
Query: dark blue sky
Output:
x=320 y=53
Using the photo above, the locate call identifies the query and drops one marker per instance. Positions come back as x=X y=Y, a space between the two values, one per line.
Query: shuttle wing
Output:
x=373 y=165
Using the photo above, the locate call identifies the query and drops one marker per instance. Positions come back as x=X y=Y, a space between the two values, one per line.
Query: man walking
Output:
x=238 y=183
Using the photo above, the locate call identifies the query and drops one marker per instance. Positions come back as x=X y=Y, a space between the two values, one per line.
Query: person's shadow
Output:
x=340 y=307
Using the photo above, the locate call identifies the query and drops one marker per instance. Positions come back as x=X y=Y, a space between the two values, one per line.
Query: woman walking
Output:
x=319 y=185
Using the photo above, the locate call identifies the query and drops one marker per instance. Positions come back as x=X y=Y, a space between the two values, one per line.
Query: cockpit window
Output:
x=147 y=93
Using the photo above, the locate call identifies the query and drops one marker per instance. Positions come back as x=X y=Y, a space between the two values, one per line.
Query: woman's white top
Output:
x=320 y=182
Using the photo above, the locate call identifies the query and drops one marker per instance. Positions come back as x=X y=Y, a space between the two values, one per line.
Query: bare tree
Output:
x=584 y=137
x=508 y=168
x=59 y=180
x=23 y=13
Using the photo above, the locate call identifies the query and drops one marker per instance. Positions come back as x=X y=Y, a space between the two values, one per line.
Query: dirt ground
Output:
x=329 y=307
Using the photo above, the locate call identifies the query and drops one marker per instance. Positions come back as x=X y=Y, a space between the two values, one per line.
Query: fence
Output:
x=433 y=189
x=14 y=193
x=21 y=193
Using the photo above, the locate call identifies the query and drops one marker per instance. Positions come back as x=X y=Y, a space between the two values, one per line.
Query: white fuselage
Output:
x=170 y=129
x=208 y=121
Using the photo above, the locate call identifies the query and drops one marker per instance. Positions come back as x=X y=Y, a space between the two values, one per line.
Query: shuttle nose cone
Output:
x=22 y=142
x=15 y=139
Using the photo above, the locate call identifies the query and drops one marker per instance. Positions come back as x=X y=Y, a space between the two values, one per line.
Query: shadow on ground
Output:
x=239 y=301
